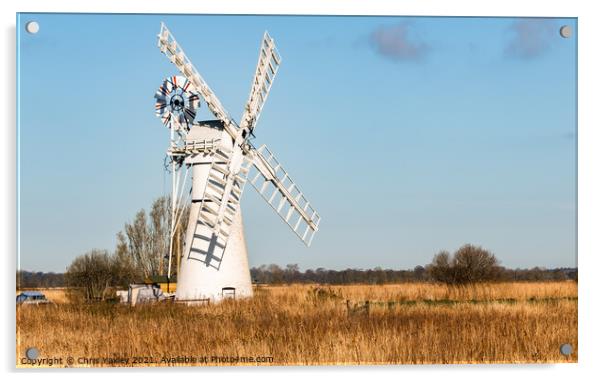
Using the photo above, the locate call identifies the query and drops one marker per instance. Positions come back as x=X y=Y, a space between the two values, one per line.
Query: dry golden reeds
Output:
x=309 y=324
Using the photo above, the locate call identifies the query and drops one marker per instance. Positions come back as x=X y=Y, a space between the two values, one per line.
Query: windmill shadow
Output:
x=212 y=256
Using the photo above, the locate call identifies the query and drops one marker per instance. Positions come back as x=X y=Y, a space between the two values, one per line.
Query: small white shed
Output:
x=144 y=293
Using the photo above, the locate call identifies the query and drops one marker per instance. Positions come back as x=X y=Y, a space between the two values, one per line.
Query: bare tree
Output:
x=276 y=272
x=290 y=273
x=440 y=268
x=475 y=264
x=159 y=230
x=419 y=272
x=179 y=236
x=146 y=240
x=469 y=264
x=93 y=272
x=125 y=265
x=139 y=245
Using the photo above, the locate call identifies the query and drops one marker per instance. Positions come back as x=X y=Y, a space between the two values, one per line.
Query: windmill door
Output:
x=229 y=293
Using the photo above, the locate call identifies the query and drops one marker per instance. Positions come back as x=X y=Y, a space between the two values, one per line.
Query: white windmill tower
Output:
x=214 y=262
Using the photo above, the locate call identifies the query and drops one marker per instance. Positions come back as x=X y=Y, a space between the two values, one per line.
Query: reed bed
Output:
x=309 y=324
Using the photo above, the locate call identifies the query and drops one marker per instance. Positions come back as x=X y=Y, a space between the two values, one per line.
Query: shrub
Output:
x=469 y=264
x=94 y=272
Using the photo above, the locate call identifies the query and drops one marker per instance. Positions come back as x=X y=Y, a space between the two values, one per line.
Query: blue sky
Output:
x=409 y=135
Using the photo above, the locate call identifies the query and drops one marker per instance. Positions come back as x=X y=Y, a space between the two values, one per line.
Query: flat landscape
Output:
x=413 y=323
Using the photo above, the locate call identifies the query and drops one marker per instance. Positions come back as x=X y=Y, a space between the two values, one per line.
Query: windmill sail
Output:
x=275 y=185
x=216 y=194
x=230 y=174
x=172 y=50
x=267 y=67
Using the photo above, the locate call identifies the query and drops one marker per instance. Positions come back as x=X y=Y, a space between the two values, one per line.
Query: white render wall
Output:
x=196 y=279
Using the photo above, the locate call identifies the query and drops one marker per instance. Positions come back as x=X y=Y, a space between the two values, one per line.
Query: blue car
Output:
x=32 y=297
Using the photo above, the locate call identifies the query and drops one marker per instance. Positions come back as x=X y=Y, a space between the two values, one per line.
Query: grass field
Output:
x=309 y=324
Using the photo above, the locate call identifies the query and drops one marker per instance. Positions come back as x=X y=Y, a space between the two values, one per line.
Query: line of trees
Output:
x=274 y=274
x=29 y=279
x=468 y=264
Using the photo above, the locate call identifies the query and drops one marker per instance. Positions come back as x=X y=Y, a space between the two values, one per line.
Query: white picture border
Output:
x=589 y=174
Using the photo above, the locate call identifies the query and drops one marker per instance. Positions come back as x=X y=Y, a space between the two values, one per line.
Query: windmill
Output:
x=222 y=159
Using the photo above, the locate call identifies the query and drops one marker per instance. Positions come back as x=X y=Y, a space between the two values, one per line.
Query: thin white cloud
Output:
x=531 y=38
x=395 y=42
